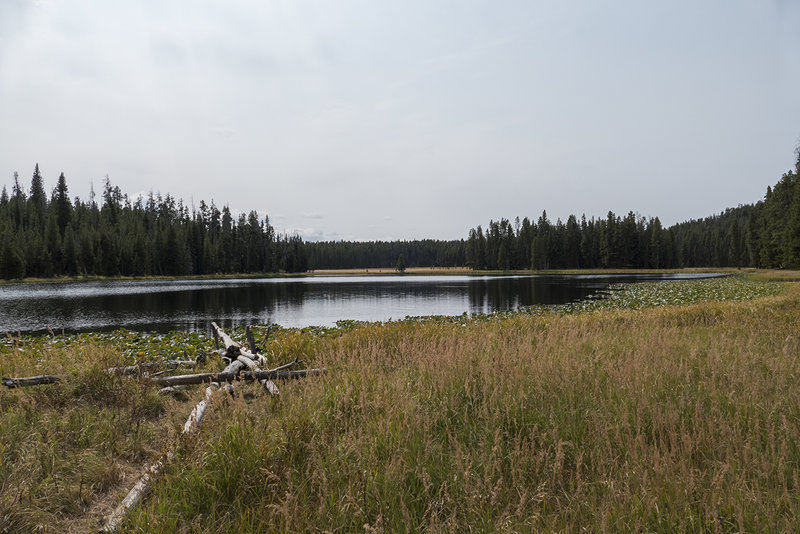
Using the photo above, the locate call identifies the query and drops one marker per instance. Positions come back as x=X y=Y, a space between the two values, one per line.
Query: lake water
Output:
x=191 y=305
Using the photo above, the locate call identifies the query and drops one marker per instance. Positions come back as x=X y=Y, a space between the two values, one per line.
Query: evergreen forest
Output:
x=765 y=234
x=52 y=235
x=44 y=236
x=384 y=254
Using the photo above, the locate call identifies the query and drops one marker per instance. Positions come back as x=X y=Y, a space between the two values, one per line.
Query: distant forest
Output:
x=49 y=235
x=766 y=234
x=44 y=236
x=384 y=254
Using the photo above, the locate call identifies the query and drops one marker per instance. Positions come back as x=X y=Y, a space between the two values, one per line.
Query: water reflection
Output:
x=192 y=305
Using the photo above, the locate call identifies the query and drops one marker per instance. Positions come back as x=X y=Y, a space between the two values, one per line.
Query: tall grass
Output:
x=66 y=447
x=678 y=418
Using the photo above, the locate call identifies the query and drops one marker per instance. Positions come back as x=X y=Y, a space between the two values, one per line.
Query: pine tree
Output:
x=61 y=204
x=17 y=202
x=37 y=201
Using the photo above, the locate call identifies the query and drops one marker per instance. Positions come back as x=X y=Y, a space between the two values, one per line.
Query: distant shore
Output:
x=785 y=275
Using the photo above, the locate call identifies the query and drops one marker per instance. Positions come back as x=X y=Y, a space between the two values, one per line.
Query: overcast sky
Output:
x=406 y=119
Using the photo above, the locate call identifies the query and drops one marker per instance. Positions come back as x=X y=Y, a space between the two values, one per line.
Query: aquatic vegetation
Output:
x=676 y=293
x=638 y=295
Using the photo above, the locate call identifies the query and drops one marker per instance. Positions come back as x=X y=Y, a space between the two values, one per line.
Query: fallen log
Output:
x=127 y=370
x=171 y=390
x=251 y=340
x=135 y=495
x=179 y=380
x=142 y=486
x=271 y=388
x=229 y=374
x=136 y=369
x=199 y=411
x=240 y=358
x=30 y=381
x=231 y=344
x=251 y=360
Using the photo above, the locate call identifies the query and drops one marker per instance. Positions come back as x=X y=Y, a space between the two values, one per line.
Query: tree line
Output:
x=385 y=254
x=765 y=234
x=630 y=242
x=46 y=235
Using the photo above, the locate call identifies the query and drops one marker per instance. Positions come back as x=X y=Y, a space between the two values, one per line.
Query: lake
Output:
x=191 y=305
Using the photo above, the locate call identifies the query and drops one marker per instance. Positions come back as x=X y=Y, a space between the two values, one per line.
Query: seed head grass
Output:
x=69 y=451
x=673 y=418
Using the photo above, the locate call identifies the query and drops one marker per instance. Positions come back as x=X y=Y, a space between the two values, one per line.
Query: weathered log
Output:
x=232 y=372
x=232 y=346
x=250 y=364
x=30 y=381
x=269 y=385
x=271 y=388
x=142 y=487
x=230 y=377
x=227 y=341
x=171 y=390
x=199 y=411
x=122 y=371
x=136 y=369
x=251 y=340
x=135 y=495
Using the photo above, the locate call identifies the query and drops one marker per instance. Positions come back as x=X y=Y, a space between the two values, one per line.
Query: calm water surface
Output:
x=191 y=305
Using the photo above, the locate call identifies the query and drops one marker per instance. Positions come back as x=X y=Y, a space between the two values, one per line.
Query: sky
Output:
x=371 y=119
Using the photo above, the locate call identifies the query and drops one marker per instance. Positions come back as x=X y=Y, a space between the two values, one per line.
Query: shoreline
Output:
x=387 y=271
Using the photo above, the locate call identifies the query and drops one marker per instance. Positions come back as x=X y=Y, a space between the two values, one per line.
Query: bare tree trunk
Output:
x=258 y=374
x=142 y=487
x=136 y=369
x=30 y=381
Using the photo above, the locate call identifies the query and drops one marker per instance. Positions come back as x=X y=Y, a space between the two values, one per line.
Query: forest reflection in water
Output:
x=191 y=305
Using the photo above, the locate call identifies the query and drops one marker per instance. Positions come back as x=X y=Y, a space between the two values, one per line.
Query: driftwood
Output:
x=142 y=486
x=271 y=388
x=237 y=353
x=239 y=359
x=229 y=374
x=251 y=340
x=30 y=381
x=142 y=367
x=122 y=371
x=135 y=495
x=171 y=390
x=258 y=374
x=199 y=411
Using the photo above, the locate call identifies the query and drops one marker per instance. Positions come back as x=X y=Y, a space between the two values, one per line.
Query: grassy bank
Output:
x=684 y=416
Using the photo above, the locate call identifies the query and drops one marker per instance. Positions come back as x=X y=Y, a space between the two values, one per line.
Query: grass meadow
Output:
x=671 y=414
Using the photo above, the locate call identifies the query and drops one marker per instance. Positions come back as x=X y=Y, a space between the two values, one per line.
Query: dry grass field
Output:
x=666 y=419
